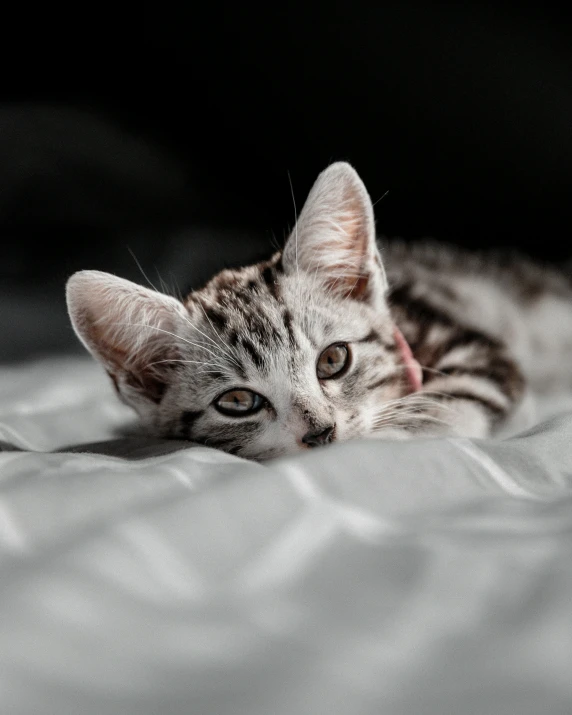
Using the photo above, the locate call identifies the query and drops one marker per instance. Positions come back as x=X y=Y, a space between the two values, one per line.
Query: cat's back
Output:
x=499 y=292
x=438 y=264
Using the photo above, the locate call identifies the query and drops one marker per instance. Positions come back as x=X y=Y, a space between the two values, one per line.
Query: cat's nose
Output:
x=315 y=438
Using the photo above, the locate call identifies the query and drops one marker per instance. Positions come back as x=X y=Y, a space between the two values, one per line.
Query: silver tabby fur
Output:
x=486 y=330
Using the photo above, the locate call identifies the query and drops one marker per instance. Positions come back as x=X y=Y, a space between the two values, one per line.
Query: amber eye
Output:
x=333 y=361
x=239 y=403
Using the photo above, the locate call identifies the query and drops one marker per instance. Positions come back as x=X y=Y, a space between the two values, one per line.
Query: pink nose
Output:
x=315 y=438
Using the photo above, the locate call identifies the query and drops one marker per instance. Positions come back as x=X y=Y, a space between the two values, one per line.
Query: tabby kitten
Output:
x=327 y=342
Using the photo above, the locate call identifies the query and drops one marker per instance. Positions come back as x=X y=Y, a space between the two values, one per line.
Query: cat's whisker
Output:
x=397 y=420
x=165 y=288
x=380 y=198
x=418 y=409
x=410 y=422
x=399 y=414
x=274 y=241
x=438 y=402
x=220 y=366
x=168 y=332
x=218 y=347
x=191 y=362
x=140 y=267
x=417 y=406
x=176 y=289
x=227 y=347
x=423 y=397
x=416 y=402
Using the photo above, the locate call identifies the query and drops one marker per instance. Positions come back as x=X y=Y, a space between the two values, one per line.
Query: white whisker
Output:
x=168 y=332
x=142 y=271
x=218 y=347
x=229 y=348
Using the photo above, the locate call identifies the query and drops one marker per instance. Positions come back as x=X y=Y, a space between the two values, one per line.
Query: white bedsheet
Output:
x=154 y=577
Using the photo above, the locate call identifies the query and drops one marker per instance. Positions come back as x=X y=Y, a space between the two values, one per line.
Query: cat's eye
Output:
x=333 y=362
x=239 y=403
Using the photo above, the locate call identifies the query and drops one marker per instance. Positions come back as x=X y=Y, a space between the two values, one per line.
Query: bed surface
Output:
x=148 y=576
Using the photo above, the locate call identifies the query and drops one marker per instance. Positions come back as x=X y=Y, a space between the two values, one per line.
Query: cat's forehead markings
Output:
x=253 y=352
x=267 y=318
x=288 y=324
x=248 y=311
x=259 y=275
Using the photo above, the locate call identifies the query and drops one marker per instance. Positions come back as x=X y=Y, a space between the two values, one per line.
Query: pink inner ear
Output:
x=413 y=370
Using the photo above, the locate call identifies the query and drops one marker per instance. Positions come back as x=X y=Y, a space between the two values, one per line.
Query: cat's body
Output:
x=507 y=296
x=333 y=338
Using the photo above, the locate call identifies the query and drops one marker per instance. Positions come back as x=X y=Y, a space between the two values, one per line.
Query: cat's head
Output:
x=276 y=357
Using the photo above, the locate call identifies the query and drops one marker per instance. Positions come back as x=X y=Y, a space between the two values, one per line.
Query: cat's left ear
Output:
x=334 y=238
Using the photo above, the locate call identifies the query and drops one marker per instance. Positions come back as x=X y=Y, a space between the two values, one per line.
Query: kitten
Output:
x=331 y=339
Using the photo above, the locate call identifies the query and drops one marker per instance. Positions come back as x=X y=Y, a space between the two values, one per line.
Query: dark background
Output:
x=171 y=134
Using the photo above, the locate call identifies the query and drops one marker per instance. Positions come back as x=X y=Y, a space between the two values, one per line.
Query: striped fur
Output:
x=485 y=330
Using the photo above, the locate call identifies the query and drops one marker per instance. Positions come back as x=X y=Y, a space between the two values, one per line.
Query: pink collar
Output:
x=413 y=370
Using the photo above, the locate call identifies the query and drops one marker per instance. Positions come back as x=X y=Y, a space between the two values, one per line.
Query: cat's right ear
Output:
x=334 y=238
x=130 y=329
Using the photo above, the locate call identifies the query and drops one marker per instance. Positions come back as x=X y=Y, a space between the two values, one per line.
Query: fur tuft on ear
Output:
x=131 y=330
x=334 y=237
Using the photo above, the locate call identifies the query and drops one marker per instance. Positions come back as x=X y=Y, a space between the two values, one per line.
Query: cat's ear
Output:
x=334 y=238
x=128 y=328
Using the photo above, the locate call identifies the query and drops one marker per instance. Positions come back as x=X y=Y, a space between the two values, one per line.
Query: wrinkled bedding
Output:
x=150 y=576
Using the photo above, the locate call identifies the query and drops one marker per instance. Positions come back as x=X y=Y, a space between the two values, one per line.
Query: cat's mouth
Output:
x=413 y=372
